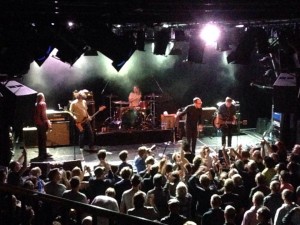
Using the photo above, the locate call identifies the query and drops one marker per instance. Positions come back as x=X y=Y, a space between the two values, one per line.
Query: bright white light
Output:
x=70 y=24
x=210 y=33
x=239 y=26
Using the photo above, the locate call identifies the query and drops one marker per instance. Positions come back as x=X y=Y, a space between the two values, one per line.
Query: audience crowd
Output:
x=257 y=185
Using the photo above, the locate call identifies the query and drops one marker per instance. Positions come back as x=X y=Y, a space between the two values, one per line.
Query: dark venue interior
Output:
x=105 y=47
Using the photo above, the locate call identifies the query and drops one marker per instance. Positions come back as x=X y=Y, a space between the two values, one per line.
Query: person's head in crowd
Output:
x=275 y=186
x=168 y=168
x=153 y=169
x=142 y=152
x=228 y=185
x=258 y=198
x=174 y=206
x=126 y=173
x=239 y=165
x=223 y=177
x=260 y=179
x=181 y=190
x=14 y=166
x=101 y=154
x=138 y=200
x=136 y=180
x=76 y=171
x=176 y=157
x=111 y=192
x=123 y=155
x=29 y=185
x=287 y=196
x=252 y=167
x=204 y=181
x=237 y=180
x=256 y=156
x=275 y=157
x=269 y=162
x=36 y=171
x=174 y=176
x=54 y=175
x=99 y=172
x=88 y=220
x=279 y=167
x=190 y=223
x=211 y=174
x=158 y=180
x=229 y=214
x=284 y=177
x=296 y=149
x=75 y=183
x=232 y=171
x=3 y=176
x=197 y=161
x=293 y=168
x=263 y=215
x=149 y=160
x=215 y=201
x=245 y=155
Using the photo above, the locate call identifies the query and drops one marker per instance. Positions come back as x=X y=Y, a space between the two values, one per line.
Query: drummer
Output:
x=135 y=97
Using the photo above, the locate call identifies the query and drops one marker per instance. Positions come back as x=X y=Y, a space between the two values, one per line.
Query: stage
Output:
x=70 y=156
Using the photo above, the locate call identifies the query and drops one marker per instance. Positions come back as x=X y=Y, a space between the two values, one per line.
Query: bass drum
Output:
x=132 y=119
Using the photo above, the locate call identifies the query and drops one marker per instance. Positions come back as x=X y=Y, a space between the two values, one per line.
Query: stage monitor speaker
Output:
x=19 y=103
x=60 y=134
x=30 y=136
x=69 y=165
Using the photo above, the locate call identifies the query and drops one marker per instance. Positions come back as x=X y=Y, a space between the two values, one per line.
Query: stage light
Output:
x=42 y=54
x=196 y=49
x=243 y=51
x=162 y=38
x=210 y=33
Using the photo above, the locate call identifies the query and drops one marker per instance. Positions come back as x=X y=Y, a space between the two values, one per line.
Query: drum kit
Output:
x=139 y=117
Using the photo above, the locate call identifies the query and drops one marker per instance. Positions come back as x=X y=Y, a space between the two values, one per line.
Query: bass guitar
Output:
x=218 y=122
x=80 y=125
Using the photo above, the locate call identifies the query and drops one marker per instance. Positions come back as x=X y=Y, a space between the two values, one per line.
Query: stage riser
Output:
x=133 y=137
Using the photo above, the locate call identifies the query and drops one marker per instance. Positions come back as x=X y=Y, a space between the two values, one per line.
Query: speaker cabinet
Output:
x=167 y=121
x=60 y=134
x=30 y=136
x=69 y=165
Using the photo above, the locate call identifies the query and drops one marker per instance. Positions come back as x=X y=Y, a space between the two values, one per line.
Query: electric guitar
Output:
x=80 y=125
x=218 y=122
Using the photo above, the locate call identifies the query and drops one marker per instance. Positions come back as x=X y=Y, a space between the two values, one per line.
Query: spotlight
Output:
x=210 y=33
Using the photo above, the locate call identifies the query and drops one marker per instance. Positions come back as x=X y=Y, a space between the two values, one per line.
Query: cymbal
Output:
x=153 y=96
x=121 y=102
x=111 y=96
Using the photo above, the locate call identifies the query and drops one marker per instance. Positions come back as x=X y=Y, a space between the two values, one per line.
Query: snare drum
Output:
x=143 y=105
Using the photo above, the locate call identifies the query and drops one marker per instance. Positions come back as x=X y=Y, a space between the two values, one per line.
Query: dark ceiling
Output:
x=149 y=11
x=28 y=27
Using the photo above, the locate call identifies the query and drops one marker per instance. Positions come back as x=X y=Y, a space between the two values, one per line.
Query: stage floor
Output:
x=69 y=154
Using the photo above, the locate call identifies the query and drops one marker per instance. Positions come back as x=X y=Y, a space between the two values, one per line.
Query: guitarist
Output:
x=227 y=117
x=79 y=111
